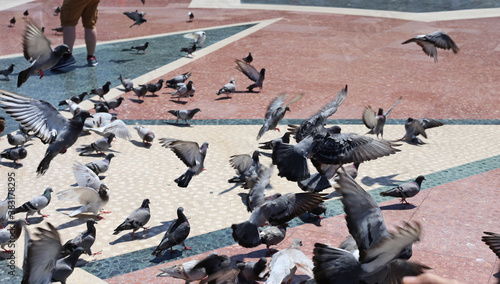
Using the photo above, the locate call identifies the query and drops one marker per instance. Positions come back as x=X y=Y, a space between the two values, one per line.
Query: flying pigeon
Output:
x=376 y=121
x=415 y=127
x=175 y=235
x=35 y=205
x=276 y=212
x=84 y=240
x=101 y=91
x=92 y=200
x=493 y=241
x=185 y=91
x=76 y=99
x=146 y=134
x=431 y=41
x=37 y=50
x=64 y=266
x=247 y=168
x=275 y=112
x=228 y=88
x=15 y=154
x=184 y=114
x=9 y=236
x=116 y=127
x=191 y=154
x=249 y=58
x=12 y=22
x=198 y=37
x=251 y=269
x=136 y=219
x=101 y=166
x=141 y=47
x=178 y=79
x=40 y=255
x=252 y=74
x=191 y=16
x=140 y=91
x=154 y=87
x=273 y=235
x=7 y=71
x=137 y=17
x=100 y=145
x=405 y=190
x=285 y=262
x=126 y=83
x=189 y=50
x=113 y=104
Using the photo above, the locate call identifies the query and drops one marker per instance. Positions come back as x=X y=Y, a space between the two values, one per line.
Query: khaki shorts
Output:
x=72 y=10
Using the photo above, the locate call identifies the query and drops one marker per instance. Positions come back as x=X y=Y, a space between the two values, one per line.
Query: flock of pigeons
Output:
x=371 y=254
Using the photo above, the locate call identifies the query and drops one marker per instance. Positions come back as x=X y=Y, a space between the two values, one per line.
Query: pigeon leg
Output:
x=106 y=212
x=99 y=252
x=277 y=129
x=26 y=219
x=133 y=231
x=2 y=227
x=44 y=216
x=41 y=73
x=186 y=247
x=99 y=217
x=7 y=250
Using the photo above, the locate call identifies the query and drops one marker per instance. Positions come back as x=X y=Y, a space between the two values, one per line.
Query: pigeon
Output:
x=154 y=87
x=185 y=91
x=7 y=71
x=214 y=263
x=113 y=104
x=184 y=271
x=275 y=113
x=74 y=108
x=248 y=59
x=100 y=145
x=12 y=22
x=191 y=16
x=228 y=88
x=137 y=17
x=276 y=212
x=26 y=14
x=101 y=108
x=116 y=127
x=178 y=79
x=189 y=50
x=252 y=74
x=8 y=237
x=126 y=83
x=101 y=166
x=405 y=190
x=40 y=255
x=64 y=266
x=198 y=37
x=273 y=235
x=141 y=47
x=318 y=210
x=15 y=154
x=140 y=91
x=247 y=168
x=376 y=121
x=102 y=91
x=493 y=241
x=184 y=114
x=35 y=205
x=98 y=120
x=286 y=262
x=37 y=50
x=76 y=99
x=414 y=127
x=227 y=275
x=146 y=134
x=84 y=240
x=57 y=10
x=431 y=41
x=136 y=219
x=58 y=30
x=4 y=210
x=93 y=200
x=251 y=269
x=191 y=154
x=176 y=234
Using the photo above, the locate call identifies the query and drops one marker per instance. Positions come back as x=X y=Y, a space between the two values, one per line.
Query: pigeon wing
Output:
x=117 y=127
x=241 y=162
x=85 y=177
x=429 y=123
x=35 y=44
x=389 y=110
x=84 y=195
x=369 y=117
x=289 y=206
x=442 y=40
x=248 y=70
x=334 y=265
x=274 y=105
x=132 y=15
x=187 y=151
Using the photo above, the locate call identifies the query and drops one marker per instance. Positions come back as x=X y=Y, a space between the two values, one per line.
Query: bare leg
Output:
x=90 y=40
x=69 y=36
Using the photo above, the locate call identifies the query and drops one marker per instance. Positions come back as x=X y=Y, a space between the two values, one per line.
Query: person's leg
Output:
x=69 y=36
x=90 y=40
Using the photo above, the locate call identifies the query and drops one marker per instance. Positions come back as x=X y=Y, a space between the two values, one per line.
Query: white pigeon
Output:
x=117 y=127
x=146 y=134
x=97 y=120
x=198 y=37
x=74 y=108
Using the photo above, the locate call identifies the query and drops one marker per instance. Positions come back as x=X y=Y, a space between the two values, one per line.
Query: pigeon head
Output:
x=255 y=156
x=380 y=111
x=22 y=153
x=419 y=179
x=111 y=137
x=262 y=72
x=120 y=99
x=193 y=111
x=62 y=49
x=409 y=119
x=146 y=44
x=109 y=156
x=287 y=109
x=296 y=243
x=47 y=191
x=145 y=203
x=334 y=129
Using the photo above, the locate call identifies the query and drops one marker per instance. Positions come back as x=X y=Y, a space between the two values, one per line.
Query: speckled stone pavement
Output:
x=304 y=50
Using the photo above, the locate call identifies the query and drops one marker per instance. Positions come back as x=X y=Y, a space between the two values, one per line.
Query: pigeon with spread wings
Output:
x=275 y=113
x=431 y=41
x=252 y=74
x=376 y=121
x=417 y=126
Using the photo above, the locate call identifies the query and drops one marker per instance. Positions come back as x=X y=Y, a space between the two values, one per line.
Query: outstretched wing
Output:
x=85 y=177
x=369 y=118
x=35 y=44
x=248 y=70
x=187 y=151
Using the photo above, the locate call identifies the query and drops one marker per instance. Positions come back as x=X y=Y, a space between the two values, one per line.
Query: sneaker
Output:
x=64 y=61
x=91 y=61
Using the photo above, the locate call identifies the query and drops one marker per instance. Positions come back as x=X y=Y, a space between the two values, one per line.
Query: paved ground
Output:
x=311 y=50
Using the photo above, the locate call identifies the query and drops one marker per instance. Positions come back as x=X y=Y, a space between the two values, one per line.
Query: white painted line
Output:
x=7 y=4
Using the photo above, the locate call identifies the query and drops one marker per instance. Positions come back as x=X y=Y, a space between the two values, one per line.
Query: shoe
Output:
x=64 y=61
x=91 y=61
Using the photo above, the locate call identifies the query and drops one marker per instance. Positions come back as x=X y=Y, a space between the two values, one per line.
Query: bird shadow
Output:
x=178 y=124
x=152 y=96
x=167 y=256
x=397 y=206
x=229 y=189
x=96 y=101
x=126 y=49
x=179 y=102
x=138 y=53
x=253 y=254
x=265 y=154
x=95 y=155
x=123 y=90
x=119 y=61
x=140 y=144
x=35 y=220
x=222 y=98
x=332 y=195
x=11 y=165
x=137 y=101
x=143 y=234
x=383 y=180
x=73 y=223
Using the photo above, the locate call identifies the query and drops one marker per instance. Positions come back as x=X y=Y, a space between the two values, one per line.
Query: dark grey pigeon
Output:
x=318 y=210
x=273 y=235
x=136 y=220
x=226 y=275
x=43 y=119
x=113 y=104
x=141 y=47
x=76 y=99
x=269 y=144
x=140 y=91
x=14 y=154
x=376 y=121
x=137 y=17
x=40 y=255
x=12 y=22
x=102 y=91
x=7 y=71
x=227 y=89
x=275 y=112
x=429 y=42
x=252 y=74
x=189 y=50
x=276 y=212
x=37 y=50
x=100 y=145
x=65 y=266
x=249 y=58
x=196 y=269
x=191 y=16
x=57 y=10
x=101 y=107
x=101 y=166
x=84 y=240
x=184 y=114
x=251 y=269
x=415 y=127
x=154 y=87
x=126 y=83
x=247 y=168
x=257 y=193
x=178 y=79
x=213 y=263
x=191 y=154
x=184 y=91
x=35 y=205
x=176 y=234
x=405 y=190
